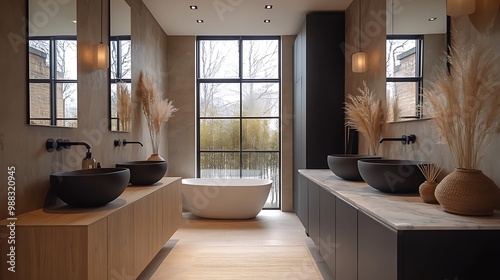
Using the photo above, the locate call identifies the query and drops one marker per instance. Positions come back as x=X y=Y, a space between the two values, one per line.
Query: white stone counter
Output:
x=398 y=211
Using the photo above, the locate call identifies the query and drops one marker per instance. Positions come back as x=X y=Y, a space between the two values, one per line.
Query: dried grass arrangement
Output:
x=124 y=108
x=393 y=109
x=465 y=105
x=428 y=188
x=430 y=171
x=466 y=102
x=365 y=114
x=156 y=111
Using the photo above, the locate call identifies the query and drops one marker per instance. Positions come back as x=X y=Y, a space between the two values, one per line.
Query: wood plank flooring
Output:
x=271 y=246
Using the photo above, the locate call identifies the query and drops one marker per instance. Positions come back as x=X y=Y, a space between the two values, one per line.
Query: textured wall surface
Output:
x=23 y=146
x=430 y=145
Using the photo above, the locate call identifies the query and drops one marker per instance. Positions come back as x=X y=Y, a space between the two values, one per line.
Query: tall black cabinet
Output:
x=318 y=94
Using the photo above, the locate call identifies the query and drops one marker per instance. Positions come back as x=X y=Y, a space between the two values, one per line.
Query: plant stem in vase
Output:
x=156 y=111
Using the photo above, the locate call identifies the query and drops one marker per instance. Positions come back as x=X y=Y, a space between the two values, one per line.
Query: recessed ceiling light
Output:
x=432 y=18
x=267 y=21
x=193 y=7
x=199 y=21
x=268 y=7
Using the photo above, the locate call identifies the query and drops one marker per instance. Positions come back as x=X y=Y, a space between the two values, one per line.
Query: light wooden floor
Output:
x=271 y=231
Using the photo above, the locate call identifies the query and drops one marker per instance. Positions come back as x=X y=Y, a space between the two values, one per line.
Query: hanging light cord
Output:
x=359 y=39
x=101 y=20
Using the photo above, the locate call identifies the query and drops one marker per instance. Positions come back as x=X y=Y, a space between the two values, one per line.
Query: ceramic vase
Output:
x=468 y=192
x=426 y=191
x=156 y=157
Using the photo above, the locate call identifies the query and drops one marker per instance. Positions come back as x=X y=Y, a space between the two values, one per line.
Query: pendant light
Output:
x=457 y=8
x=102 y=51
x=359 y=58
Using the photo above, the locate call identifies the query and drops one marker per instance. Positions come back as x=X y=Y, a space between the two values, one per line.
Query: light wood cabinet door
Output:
x=121 y=244
x=172 y=210
x=147 y=225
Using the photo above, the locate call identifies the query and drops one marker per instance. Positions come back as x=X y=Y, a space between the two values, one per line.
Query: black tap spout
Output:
x=125 y=142
x=59 y=144
x=405 y=139
x=67 y=144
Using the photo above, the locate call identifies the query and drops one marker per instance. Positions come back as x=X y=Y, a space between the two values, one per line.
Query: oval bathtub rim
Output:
x=226 y=182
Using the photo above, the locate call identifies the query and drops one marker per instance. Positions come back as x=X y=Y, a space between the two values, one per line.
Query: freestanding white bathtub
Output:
x=225 y=198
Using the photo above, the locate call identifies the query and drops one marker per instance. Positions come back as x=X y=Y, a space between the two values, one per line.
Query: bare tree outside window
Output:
x=239 y=110
x=404 y=78
x=120 y=68
x=53 y=76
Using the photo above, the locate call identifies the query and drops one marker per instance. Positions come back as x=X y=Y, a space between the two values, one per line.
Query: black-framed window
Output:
x=52 y=80
x=238 y=109
x=120 y=56
x=404 y=76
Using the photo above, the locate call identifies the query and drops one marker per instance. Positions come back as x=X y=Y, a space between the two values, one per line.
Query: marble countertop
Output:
x=398 y=211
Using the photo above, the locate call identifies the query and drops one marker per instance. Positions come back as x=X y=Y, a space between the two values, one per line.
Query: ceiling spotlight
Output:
x=193 y=7
x=267 y=21
x=199 y=21
x=268 y=7
x=432 y=18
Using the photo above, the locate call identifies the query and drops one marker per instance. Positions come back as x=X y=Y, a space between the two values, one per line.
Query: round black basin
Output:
x=346 y=166
x=391 y=175
x=145 y=172
x=90 y=187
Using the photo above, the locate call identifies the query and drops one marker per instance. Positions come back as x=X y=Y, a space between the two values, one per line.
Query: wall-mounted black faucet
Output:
x=59 y=144
x=125 y=142
x=405 y=139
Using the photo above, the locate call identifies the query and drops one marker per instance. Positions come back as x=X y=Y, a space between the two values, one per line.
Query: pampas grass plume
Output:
x=365 y=114
x=466 y=102
x=156 y=111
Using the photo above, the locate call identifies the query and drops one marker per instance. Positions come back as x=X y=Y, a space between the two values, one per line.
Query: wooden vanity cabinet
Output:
x=115 y=241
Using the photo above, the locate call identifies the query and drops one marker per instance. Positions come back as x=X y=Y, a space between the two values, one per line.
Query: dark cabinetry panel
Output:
x=302 y=208
x=318 y=92
x=327 y=228
x=314 y=212
x=377 y=250
x=346 y=239
x=451 y=254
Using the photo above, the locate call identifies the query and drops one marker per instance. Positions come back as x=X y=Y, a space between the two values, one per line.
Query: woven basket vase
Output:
x=426 y=191
x=468 y=192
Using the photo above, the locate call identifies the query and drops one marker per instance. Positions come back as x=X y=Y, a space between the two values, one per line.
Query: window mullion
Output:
x=53 y=86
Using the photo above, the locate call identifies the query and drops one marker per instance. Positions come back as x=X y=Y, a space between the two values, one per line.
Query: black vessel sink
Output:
x=346 y=166
x=145 y=172
x=391 y=175
x=90 y=187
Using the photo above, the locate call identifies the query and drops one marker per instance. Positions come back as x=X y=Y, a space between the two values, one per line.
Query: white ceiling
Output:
x=412 y=17
x=237 y=17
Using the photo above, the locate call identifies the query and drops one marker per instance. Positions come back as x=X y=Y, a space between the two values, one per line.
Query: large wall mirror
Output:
x=52 y=63
x=120 y=54
x=416 y=45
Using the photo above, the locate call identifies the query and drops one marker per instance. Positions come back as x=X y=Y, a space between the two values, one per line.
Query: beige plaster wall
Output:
x=371 y=27
x=182 y=91
x=429 y=146
x=23 y=146
x=182 y=128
